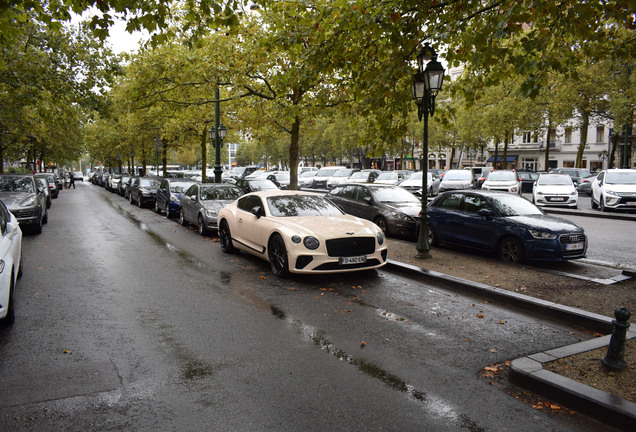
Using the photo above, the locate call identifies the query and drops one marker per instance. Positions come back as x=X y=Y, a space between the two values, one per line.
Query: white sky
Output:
x=122 y=41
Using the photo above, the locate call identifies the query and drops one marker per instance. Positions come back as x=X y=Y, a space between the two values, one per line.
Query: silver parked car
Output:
x=25 y=198
x=413 y=183
x=201 y=203
x=456 y=179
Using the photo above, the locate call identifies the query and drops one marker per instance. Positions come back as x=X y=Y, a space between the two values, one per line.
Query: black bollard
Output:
x=616 y=350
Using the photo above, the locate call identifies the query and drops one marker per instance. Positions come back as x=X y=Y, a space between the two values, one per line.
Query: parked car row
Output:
x=24 y=203
x=296 y=232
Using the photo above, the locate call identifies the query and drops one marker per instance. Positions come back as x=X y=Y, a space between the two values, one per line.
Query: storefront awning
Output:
x=509 y=159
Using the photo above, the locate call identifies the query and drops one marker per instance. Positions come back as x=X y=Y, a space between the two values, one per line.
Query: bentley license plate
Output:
x=353 y=260
x=575 y=246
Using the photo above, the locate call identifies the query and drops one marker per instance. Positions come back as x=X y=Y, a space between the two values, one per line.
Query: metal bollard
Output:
x=616 y=350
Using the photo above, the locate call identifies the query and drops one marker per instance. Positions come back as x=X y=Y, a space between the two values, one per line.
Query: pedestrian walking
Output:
x=71 y=179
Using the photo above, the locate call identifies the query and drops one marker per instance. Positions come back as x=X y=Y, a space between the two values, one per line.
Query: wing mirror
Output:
x=484 y=213
x=258 y=212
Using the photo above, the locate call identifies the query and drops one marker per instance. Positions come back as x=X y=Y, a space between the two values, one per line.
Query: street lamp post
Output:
x=427 y=82
x=217 y=135
x=132 y=160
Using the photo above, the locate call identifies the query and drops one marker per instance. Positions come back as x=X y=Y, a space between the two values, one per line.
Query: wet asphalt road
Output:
x=128 y=321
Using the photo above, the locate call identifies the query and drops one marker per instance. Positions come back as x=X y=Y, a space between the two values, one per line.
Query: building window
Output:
x=568 y=164
x=568 y=135
x=600 y=134
x=530 y=164
x=527 y=137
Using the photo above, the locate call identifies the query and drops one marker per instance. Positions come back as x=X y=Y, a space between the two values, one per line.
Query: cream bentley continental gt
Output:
x=300 y=232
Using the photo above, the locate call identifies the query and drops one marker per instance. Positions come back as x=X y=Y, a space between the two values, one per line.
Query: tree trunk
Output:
x=584 y=126
x=496 y=157
x=293 y=154
x=505 y=151
x=612 y=155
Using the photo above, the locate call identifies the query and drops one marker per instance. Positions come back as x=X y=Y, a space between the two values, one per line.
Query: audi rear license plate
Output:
x=575 y=246
x=353 y=260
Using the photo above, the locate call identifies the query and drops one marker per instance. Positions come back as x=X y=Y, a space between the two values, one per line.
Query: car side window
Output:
x=247 y=203
x=348 y=192
x=450 y=201
x=191 y=191
x=4 y=218
x=164 y=185
x=472 y=204
x=363 y=193
x=601 y=176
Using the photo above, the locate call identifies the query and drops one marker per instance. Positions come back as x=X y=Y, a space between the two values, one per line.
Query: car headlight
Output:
x=542 y=235
x=401 y=216
x=540 y=193
x=573 y=193
x=380 y=237
x=612 y=193
x=211 y=213
x=28 y=202
x=311 y=242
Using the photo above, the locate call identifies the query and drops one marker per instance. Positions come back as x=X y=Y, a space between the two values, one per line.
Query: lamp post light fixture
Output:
x=217 y=135
x=427 y=82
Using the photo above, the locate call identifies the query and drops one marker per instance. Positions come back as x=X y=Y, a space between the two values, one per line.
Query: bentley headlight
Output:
x=542 y=235
x=380 y=237
x=311 y=242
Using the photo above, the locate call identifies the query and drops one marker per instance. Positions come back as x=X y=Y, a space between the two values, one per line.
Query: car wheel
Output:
x=45 y=218
x=511 y=250
x=594 y=205
x=225 y=237
x=432 y=238
x=601 y=203
x=167 y=210
x=277 y=254
x=10 y=317
x=201 y=228
x=140 y=202
x=381 y=222
x=182 y=219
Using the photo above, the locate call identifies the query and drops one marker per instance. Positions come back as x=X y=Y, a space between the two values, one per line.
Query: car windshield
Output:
x=216 y=193
x=149 y=183
x=180 y=187
x=458 y=175
x=343 y=173
x=301 y=205
x=512 y=205
x=308 y=174
x=360 y=175
x=392 y=195
x=327 y=172
x=387 y=176
x=555 y=179
x=621 y=177
x=16 y=184
x=503 y=175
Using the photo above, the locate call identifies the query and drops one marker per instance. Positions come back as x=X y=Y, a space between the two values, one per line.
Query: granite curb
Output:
x=528 y=372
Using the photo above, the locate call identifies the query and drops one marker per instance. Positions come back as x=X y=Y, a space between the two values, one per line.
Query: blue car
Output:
x=505 y=224
x=169 y=195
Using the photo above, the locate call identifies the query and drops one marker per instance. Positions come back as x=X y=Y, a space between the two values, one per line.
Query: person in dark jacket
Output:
x=71 y=179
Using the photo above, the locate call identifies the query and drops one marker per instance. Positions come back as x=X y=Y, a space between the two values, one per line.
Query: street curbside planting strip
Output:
x=547 y=309
x=528 y=372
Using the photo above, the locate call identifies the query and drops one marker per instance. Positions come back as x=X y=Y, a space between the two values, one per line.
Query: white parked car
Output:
x=10 y=263
x=413 y=183
x=503 y=180
x=323 y=175
x=390 y=178
x=340 y=177
x=306 y=178
x=300 y=232
x=614 y=189
x=555 y=190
